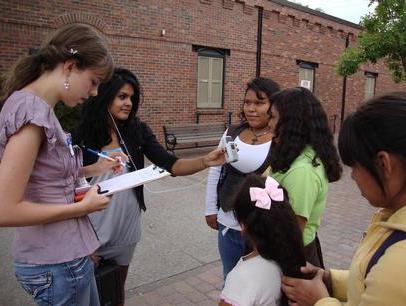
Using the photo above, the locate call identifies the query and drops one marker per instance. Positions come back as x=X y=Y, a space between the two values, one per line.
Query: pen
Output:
x=69 y=143
x=103 y=156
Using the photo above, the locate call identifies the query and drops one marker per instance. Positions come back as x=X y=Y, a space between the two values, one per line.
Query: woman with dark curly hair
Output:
x=303 y=160
x=269 y=223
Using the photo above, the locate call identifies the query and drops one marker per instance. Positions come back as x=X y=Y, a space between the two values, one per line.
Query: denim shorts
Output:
x=232 y=246
x=69 y=283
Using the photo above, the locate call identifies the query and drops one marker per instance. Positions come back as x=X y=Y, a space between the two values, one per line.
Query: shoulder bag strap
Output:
x=396 y=236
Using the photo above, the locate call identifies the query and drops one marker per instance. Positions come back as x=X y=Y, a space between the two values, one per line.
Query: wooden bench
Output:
x=192 y=135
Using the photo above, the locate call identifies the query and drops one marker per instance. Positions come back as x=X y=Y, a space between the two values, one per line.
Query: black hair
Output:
x=302 y=122
x=378 y=125
x=260 y=86
x=274 y=232
x=94 y=129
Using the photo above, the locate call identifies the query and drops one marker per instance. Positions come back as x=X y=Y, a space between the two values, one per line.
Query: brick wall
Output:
x=167 y=66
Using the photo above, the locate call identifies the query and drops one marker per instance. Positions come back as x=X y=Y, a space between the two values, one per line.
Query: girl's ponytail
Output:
x=76 y=41
x=26 y=70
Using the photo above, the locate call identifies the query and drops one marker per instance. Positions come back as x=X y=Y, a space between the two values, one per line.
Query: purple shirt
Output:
x=52 y=181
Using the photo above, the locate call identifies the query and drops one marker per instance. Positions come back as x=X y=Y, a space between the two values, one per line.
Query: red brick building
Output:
x=194 y=57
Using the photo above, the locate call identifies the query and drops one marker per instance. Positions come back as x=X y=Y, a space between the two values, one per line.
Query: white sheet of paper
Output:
x=132 y=179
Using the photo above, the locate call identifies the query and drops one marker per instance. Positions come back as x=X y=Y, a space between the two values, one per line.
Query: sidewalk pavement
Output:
x=177 y=262
x=346 y=218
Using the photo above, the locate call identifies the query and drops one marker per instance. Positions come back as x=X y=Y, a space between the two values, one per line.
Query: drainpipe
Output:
x=347 y=43
x=259 y=40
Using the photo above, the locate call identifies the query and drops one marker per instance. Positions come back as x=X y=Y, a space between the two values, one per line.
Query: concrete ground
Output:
x=346 y=218
x=177 y=263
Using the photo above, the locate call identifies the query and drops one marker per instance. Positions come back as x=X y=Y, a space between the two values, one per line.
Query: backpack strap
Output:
x=396 y=236
x=235 y=129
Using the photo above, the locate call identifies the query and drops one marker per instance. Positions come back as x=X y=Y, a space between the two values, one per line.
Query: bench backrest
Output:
x=196 y=129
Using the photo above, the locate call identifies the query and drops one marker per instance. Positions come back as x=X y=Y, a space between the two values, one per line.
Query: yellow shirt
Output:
x=385 y=284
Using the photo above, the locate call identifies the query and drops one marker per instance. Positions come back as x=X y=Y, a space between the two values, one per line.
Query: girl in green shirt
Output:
x=303 y=159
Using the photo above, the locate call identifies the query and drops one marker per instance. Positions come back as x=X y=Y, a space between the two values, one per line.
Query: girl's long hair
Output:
x=302 y=122
x=274 y=232
x=74 y=41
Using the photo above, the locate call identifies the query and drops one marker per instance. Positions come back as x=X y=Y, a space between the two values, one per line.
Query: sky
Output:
x=351 y=10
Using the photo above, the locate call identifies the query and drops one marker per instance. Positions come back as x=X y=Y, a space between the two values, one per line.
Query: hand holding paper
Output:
x=132 y=179
x=125 y=181
x=93 y=201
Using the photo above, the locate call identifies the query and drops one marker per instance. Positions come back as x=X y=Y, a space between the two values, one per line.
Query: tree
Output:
x=68 y=117
x=383 y=36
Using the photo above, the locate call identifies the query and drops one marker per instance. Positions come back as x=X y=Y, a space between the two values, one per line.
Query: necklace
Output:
x=254 y=139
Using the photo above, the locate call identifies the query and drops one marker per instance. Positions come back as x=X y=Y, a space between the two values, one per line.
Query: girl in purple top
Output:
x=39 y=167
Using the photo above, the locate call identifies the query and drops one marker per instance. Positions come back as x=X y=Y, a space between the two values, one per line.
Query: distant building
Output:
x=194 y=57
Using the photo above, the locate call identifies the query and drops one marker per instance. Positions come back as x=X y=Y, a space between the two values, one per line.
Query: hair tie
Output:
x=265 y=196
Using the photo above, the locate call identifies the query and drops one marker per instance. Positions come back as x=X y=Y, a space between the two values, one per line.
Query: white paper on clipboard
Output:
x=132 y=179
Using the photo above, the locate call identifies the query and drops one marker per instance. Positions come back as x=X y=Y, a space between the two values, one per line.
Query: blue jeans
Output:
x=69 y=283
x=231 y=247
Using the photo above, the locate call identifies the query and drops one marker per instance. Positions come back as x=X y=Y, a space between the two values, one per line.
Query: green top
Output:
x=307 y=187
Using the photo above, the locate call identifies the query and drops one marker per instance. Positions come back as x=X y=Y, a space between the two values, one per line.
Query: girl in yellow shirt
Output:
x=372 y=142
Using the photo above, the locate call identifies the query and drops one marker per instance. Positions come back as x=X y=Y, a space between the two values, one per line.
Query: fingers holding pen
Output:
x=115 y=161
x=121 y=159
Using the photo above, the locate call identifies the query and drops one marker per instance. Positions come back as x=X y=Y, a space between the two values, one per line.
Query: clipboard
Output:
x=131 y=180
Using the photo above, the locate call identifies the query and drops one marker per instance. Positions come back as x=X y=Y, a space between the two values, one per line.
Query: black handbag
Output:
x=229 y=182
x=107 y=275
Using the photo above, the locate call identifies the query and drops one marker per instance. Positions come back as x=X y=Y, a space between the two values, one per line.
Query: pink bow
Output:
x=264 y=196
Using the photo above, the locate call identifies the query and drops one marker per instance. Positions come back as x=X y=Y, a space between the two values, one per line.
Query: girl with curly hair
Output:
x=303 y=160
x=269 y=224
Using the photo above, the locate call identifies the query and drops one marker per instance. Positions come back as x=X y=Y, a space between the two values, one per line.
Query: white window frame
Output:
x=211 y=80
x=306 y=68
x=213 y=55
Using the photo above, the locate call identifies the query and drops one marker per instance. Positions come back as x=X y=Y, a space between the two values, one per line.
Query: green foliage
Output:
x=383 y=36
x=68 y=117
x=349 y=62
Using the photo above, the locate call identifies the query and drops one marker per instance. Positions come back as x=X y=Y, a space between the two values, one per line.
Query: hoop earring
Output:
x=66 y=84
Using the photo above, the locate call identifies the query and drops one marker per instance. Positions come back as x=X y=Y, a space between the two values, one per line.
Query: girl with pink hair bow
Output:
x=269 y=224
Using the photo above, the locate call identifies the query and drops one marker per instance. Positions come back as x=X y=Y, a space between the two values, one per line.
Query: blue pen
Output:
x=103 y=155
x=69 y=144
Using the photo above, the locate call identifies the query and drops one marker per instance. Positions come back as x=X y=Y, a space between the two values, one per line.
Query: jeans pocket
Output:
x=81 y=268
x=37 y=285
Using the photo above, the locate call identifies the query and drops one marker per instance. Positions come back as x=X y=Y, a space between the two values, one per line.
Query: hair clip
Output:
x=72 y=51
x=265 y=196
